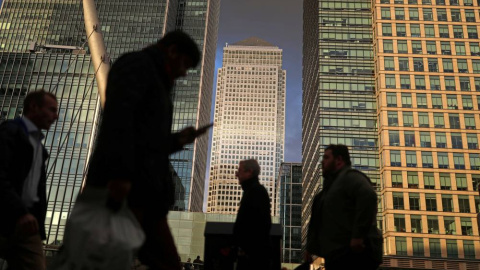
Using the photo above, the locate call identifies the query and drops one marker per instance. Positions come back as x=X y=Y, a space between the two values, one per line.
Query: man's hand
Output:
x=118 y=191
x=189 y=134
x=357 y=245
x=27 y=224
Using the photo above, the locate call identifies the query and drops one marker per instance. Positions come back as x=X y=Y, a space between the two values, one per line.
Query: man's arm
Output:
x=186 y=136
x=11 y=203
x=365 y=209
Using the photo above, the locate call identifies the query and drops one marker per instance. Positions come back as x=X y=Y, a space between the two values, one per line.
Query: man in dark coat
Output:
x=252 y=227
x=23 y=201
x=342 y=226
x=135 y=140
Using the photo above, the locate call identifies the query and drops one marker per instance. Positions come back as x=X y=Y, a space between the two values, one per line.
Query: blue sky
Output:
x=280 y=23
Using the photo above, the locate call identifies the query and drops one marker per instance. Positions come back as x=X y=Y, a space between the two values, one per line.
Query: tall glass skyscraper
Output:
x=339 y=105
x=249 y=120
x=426 y=62
x=68 y=73
x=289 y=187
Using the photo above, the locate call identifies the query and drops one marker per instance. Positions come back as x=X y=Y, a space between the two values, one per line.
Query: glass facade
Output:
x=289 y=187
x=126 y=26
x=339 y=104
x=426 y=72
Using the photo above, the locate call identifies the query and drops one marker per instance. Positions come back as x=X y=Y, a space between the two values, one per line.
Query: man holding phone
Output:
x=132 y=151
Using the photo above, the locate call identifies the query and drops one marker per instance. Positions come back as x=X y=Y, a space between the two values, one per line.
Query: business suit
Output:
x=16 y=155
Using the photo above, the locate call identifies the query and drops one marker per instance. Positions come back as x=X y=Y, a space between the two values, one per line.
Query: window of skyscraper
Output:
x=442 y=160
x=452 y=249
x=412 y=178
x=464 y=203
x=388 y=46
x=395 y=159
x=445 y=47
x=422 y=103
x=452 y=103
x=390 y=81
x=398 y=201
x=465 y=84
x=477 y=83
x=416 y=223
x=414 y=201
x=394 y=137
x=470 y=121
x=387 y=29
x=407 y=119
x=435 y=248
x=440 y=2
x=412 y=2
x=420 y=82
x=401 y=246
x=406 y=100
x=454 y=120
x=462 y=65
x=391 y=99
x=441 y=14
x=411 y=157
x=450 y=83
x=417 y=48
x=435 y=84
x=445 y=182
x=397 y=179
x=456 y=17
x=405 y=82
x=438 y=119
x=431 y=47
x=418 y=249
x=457 y=141
x=468 y=249
x=447 y=203
x=443 y=31
x=385 y=12
x=409 y=137
x=441 y=139
x=472 y=31
x=403 y=63
x=402 y=46
x=425 y=141
x=469 y=15
x=426 y=2
x=428 y=180
x=432 y=65
x=447 y=65
x=431 y=202
x=429 y=31
x=432 y=223
x=415 y=30
x=474 y=48
x=389 y=63
x=427 y=159
x=418 y=63
x=399 y=223
x=467 y=2
x=467 y=102
x=401 y=30
x=474 y=161
x=460 y=48
x=449 y=224
x=427 y=14
x=458 y=161
x=458 y=31
x=392 y=118
x=423 y=119
x=472 y=141
x=461 y=180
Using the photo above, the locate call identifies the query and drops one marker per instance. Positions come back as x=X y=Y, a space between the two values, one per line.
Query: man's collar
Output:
x=31 y=127
x=249 y=182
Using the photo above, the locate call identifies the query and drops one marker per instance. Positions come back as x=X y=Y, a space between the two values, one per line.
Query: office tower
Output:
x=339 y=105
x=426 y=56
x=249 y=120
x=289 y=187
x=68 y=73
x=427 y=77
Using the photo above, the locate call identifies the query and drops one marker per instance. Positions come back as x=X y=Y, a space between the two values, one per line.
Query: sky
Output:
x=280 y=23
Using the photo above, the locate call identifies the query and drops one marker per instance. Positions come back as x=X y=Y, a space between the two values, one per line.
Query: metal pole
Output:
x=100 y=59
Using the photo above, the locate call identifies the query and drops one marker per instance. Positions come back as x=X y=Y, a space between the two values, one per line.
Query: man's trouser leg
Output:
x=25 y=253
x=352 y=260
x=159 y=251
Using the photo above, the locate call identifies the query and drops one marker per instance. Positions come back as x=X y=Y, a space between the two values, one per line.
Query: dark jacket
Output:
x=135 y=138
x=16 y=155
x=346 y=208
x=252 y=226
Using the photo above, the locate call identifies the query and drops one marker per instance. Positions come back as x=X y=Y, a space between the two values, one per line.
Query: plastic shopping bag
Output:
x=97 y=238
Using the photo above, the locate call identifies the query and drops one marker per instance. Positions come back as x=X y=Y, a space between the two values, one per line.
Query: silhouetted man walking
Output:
x=342 y=226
